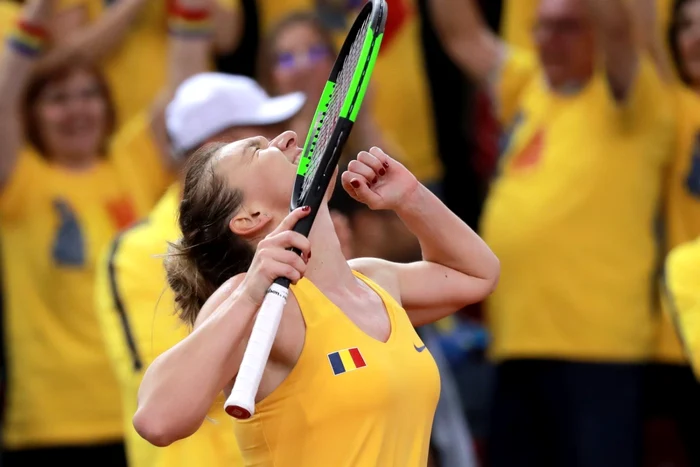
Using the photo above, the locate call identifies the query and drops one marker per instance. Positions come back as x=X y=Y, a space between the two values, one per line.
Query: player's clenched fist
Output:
x=378 y=181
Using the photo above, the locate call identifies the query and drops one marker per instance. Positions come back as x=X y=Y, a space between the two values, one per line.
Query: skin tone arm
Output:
x=206 y=361
x=15 y=70
x=92 y=41
x=228 y=28
x=646 y=22
x=471 y=45
x=615 y=27
x=187 y=56
x=458 y=268
x=96 y=41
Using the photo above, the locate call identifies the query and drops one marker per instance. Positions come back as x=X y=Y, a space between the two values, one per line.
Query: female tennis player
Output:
x=348 y=382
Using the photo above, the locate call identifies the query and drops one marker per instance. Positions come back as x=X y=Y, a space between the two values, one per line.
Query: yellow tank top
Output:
x=351 y=400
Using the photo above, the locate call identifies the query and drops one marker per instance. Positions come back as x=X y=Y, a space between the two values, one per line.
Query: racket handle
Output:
x=241 y=403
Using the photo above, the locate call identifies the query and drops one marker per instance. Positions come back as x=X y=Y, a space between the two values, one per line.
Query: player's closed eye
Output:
x=311 y=56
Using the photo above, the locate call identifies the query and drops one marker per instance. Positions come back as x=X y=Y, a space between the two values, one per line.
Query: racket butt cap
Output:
x=238 y=412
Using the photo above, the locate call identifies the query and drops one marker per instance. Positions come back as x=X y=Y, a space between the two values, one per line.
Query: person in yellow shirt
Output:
x=130 y=36
x=681 y=296
x=399 y=96
x=65 y=190
x=519 y=16
x=348 y=382
x=9 y=12
x=571 y=216
x=682 y=270
x=673 y=392
x=134 y=303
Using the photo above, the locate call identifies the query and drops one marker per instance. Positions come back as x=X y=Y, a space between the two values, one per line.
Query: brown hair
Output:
x=208 y=253
x=674 y=30
x=57 y=72
x=267 y=57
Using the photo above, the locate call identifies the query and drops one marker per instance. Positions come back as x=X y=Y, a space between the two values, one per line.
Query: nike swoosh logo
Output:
x=419 y=349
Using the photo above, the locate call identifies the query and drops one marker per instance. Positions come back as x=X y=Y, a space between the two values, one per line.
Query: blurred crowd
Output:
x=566 y=131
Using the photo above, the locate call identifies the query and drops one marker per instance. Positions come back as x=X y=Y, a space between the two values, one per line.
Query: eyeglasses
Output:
x=311 y=56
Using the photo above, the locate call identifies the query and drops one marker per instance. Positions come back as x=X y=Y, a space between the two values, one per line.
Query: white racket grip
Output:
x=241 y=403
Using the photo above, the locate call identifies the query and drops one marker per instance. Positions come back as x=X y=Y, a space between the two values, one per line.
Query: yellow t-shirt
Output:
x=402 y=106
x=571 y=216
x=53 y=224
x=519 y=17
x=683 y=296
x=350 y=400
x=145 y=47
x=136 y=313
x=682 y=203
x=9 y=13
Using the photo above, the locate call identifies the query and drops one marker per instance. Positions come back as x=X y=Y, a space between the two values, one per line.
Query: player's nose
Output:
x=285 y=140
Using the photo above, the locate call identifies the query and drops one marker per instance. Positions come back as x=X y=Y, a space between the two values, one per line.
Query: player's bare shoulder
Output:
x=384 y=273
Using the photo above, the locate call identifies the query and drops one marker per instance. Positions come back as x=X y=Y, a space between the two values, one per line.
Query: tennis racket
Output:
x=335 y=115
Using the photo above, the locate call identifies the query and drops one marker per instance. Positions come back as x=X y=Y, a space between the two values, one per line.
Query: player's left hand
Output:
x=378 y=181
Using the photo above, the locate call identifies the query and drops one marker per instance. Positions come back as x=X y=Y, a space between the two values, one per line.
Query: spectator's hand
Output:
x=378 y=181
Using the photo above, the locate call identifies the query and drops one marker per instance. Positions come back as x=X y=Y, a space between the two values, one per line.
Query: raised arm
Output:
x=614 y=23
x=97 y=40
x=458 y=268
x=181 y=384
x=17 y=61
x=191 y=32
x=466 y=37
x=228 y=28
x=651 y=39
x=189 y=50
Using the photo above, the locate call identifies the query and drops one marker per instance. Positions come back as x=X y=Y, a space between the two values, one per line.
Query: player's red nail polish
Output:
x=306 y=208
x=375 y=180
x=355 y=184
x=386 y=164
x=382 y=172
x=309 y=257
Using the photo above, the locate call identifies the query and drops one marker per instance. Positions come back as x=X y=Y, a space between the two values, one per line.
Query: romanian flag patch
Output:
x=346 y=360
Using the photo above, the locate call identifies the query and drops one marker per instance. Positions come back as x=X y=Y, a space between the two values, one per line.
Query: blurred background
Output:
x=582 y=187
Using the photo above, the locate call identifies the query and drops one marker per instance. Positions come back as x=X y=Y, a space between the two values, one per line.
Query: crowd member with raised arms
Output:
x=68 y=185
x=571 y=214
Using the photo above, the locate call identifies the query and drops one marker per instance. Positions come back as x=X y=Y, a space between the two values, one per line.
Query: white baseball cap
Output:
x=209 y=103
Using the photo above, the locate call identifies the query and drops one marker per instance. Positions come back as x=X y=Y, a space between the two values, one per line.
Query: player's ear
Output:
x=249 y=223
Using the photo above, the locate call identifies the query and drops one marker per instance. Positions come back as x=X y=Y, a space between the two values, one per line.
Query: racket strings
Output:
x=330 y=116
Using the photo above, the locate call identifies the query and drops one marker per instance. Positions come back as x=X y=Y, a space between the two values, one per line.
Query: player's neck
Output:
x=327 y=265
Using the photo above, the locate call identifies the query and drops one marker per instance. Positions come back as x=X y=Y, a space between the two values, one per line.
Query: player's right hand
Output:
x=273 y=259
